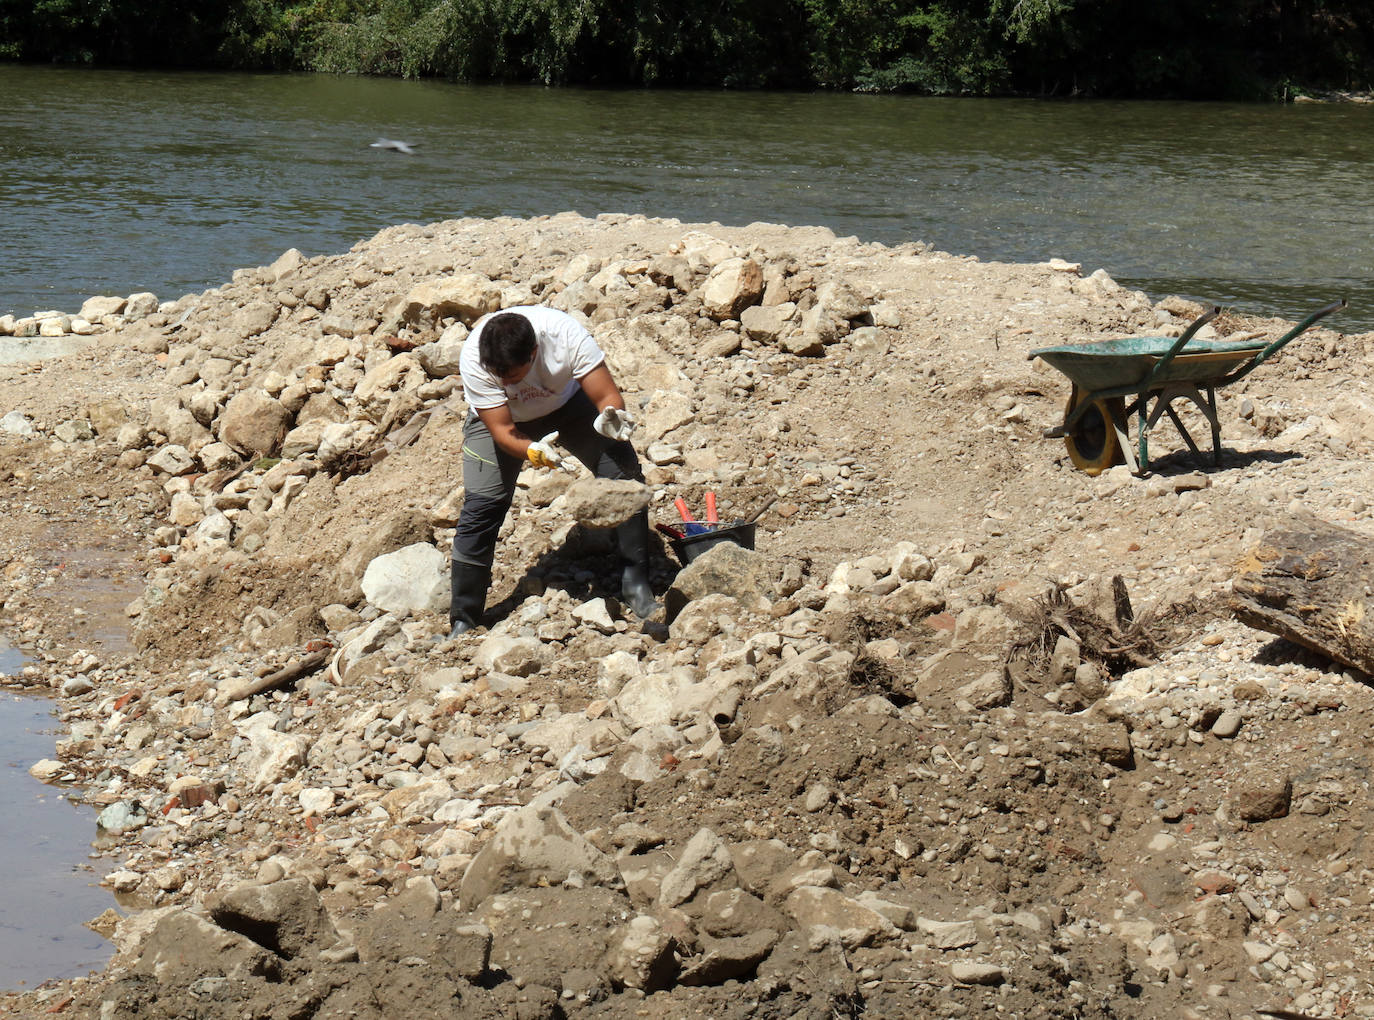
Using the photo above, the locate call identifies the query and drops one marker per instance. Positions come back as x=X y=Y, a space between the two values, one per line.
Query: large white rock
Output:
x=412 y=579
x=339 y=439
x=704 y=860
x=532 y=847
x=703 y=251
x=185 y=511
x=274 y=756
x=664 y=412
x=16 y=424
x=96 y=308
x=172 y=459
x=732 y=287
x=856 y=924
x=215 y=529
x=647 y=700
x=605 y=502
x=287 y=262
x=512 y=655
x=140 y=305
x=440 y=358
x=465 y=298
x=404 y=372
x=254 y=423
x=767 y=322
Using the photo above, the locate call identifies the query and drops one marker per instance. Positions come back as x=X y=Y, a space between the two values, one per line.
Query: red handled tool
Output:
x=682 y=510
x=711 y=516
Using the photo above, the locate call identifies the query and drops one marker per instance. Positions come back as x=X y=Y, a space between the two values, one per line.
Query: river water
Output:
x=113 y=182
x=51 y=885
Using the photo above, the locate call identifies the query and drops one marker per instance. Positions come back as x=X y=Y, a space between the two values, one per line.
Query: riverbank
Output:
x=561 y=814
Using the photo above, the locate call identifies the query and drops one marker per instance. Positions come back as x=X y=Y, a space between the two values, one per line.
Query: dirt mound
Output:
x=969 y=732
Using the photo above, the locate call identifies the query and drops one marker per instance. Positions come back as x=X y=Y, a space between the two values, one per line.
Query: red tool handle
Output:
x=711 y=517
x=682 y=510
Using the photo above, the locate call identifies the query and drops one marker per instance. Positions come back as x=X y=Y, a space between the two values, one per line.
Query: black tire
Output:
x=1092 y=444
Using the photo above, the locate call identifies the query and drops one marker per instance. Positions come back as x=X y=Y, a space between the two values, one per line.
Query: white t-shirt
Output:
x=564 y=353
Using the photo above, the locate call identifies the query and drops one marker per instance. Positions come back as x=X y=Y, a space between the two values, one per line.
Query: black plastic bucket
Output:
x=689 y=548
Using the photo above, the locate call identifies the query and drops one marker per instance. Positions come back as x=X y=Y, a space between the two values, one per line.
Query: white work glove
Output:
x=614 y=423
x=542 y=454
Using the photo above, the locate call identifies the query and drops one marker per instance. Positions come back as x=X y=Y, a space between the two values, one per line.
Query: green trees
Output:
x=108 y=31
x=1165 y=48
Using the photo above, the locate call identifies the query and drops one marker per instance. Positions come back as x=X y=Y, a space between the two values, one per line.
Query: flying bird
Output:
x=390 y=143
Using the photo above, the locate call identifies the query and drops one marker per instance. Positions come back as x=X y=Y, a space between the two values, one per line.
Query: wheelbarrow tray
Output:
x=1152 y=372
x=1111 y=364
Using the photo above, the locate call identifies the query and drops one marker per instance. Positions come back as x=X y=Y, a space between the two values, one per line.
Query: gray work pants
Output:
x=489 y=473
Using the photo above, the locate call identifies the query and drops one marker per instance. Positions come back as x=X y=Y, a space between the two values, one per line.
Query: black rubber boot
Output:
x=467 y=596
x=635 y=589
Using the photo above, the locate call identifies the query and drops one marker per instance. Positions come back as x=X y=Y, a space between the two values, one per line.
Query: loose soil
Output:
x=1099 y=839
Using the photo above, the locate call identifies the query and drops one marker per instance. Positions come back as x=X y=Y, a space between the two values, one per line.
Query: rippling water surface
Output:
x=112 y=182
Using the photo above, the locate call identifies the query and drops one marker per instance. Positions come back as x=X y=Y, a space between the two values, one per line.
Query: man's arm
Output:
x=504 y=431
x=601 y=389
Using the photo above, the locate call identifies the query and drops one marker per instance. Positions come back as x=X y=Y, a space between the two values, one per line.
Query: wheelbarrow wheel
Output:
x=1092 y=444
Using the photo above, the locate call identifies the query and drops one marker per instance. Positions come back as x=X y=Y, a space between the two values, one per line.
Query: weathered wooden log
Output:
x=298 y=669
x=1312 y=583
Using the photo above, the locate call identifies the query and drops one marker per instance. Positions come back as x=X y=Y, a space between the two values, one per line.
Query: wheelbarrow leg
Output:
x=1183 y=431
x=1164 y=400
x=1144 y=427
x=1121 y=425
x=1216 y=426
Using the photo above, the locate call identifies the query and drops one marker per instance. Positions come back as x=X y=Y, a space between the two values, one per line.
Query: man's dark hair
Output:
x=507 y=343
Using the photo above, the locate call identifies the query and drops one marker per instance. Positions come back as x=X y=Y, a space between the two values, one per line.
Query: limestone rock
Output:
x=666 y=410
x=724 y=569
x=515 y=656
x=731 y=287
x=172 y=460
x=643 y=958
x=466 y=298
x=140 y=305
x=184 y=948
x=250 y=320
x=969 y=973
x=947 y=934
x=530 y=846
x=704 y=862
x=440 y=358
x=15 y=423
x=254 y=423
x=766 y=323
x=856 y=924
x=286 y=917
x=96 y=308
x=412 y=579
x=605 y=502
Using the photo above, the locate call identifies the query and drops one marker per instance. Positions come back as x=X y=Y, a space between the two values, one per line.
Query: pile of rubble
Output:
x=879 y=765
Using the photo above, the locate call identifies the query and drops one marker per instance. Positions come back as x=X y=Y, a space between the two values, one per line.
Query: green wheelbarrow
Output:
x=1152 y=372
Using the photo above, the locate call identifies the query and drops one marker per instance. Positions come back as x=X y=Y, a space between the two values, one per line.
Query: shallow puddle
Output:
x=51 y=885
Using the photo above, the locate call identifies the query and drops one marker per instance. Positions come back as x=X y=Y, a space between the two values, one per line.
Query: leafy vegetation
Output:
x=1167 y=48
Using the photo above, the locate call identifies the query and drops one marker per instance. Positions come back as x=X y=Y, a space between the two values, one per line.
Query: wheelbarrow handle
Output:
x=1297 y=330
x=1179 y=344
